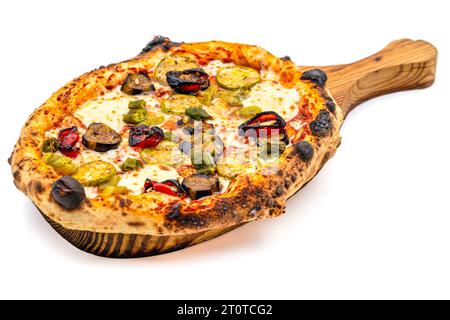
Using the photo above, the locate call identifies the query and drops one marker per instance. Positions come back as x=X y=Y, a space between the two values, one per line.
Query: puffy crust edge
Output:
x=251 y=197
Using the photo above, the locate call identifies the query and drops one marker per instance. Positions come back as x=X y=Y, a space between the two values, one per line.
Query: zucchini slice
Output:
x=174 y=63
x=239 y=77
x=95 y=173
x=178 y=103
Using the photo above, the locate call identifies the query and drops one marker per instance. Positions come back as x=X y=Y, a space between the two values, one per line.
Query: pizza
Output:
x=183 y=138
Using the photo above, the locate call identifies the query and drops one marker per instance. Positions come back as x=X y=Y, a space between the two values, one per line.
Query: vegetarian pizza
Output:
x=182 y=138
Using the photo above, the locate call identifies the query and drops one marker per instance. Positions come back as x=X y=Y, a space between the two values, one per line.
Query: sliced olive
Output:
x=131 y=164
x=50 y=145
x=68 y=192
x=234 y=164
x=100 y=137
x=137 y=83
x=173 y=63
x=95 y=173
x=203 y=161
x=239 y=77
x=233 y=98
x=63 y=165
x=198 y=114
x=200 y=185
x=166 y=153
x=178 y=103
x=250 y=111
x=188 y=81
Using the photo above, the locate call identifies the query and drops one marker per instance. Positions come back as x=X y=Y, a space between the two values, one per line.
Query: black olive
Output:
x=137 y=83
x=304 y=150
x=100 y=137
x=68 y=192
x=160 y=42
x=322 y=125
x=317 y=76
x=188 y=81
x=200 y=185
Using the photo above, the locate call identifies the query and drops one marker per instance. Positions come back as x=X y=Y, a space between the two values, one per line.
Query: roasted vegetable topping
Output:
x=100 y=137
x=202 y=161
x=131 y=164
x=154 y=120
x=305 y=150
x=170 y=187
x=317 y=76
x=198 y=114
x=200 y=185
x=109 y=191
x=50 y=145
x=178 y=103
x=322 y=125
x=249 y=111
x=95 y=173
x=263 y=125
x=113 y=182
x=209 y=94
x=174 y=63
x=136 y=112
x=233 y=98
x=68 y=192
x=137 y=83
x=166 y=153
x=188 y=81
x=68 y=139
x=63 y=165
x=237 y=78
x=143 y=136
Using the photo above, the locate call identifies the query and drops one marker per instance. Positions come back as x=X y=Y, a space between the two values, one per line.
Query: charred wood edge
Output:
x=125 y=246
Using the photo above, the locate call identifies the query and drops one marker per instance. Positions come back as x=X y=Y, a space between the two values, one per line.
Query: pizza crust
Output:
x=249 y=197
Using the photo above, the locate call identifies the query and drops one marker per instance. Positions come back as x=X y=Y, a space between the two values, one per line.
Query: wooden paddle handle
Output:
x=402 y=65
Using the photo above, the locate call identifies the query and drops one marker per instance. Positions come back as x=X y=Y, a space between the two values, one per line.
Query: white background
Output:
x=375 y=223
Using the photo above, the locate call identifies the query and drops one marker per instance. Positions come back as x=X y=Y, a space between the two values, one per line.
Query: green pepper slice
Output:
x=50 y=145
x=198 y=114
x=131 y=164
x=63 y=165
x=178 y=103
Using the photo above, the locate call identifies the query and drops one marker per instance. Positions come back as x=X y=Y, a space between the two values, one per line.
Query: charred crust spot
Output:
x=192 y=220
x=377 y=59
x=10 y=160
x=39 y=187
x=136 y=224
x=305 y=152
x=331 y=106
x=316 y=76
x=271 y=203
x=287 y=184
x=322 y=125
x=16 y=175
x=286 y=58
x=279 y=191
x=123 y=202
x=160 y=42
x=174 y=212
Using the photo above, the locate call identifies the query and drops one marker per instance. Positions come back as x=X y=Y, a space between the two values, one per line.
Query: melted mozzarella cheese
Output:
x=272 y=96
x=214 y=66
x=135 y=180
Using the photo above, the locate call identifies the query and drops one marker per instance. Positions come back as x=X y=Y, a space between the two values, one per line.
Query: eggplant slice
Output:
x=200 y=185
x=101 y=138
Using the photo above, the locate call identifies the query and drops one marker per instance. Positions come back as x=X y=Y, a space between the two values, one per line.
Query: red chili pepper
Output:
x=143 y=136
x=257 y=126
x=188 y=81
x=68 y=139
x=170 y=187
